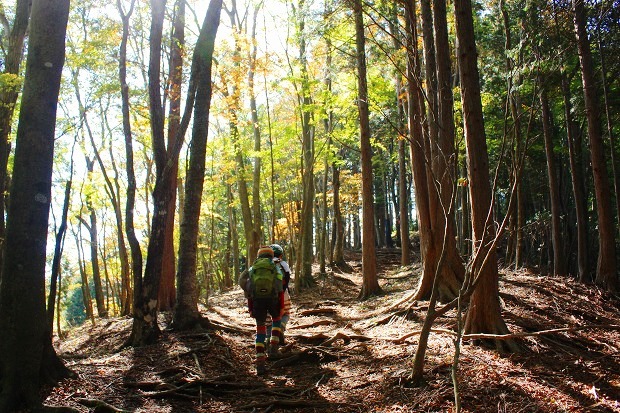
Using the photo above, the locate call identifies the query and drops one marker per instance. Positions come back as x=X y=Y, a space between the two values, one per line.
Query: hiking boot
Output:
x=261 y=369
x=273 y=351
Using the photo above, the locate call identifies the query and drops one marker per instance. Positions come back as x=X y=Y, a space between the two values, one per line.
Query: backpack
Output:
x=265 y=281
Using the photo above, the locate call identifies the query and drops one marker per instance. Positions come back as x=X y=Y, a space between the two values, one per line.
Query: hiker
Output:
x=285 y=311
x=262 y=284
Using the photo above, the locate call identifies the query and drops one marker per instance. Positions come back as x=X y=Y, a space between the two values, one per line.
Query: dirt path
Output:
x=345 y=356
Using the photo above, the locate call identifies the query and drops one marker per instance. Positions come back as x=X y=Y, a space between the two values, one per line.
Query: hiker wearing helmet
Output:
x=263 y=284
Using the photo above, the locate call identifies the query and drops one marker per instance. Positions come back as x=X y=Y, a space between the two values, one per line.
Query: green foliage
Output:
x=75 y=312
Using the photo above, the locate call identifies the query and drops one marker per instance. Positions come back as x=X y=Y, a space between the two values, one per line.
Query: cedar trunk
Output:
x=370 y=284
x=606 y=275
x=559 y=263
x=484 y=314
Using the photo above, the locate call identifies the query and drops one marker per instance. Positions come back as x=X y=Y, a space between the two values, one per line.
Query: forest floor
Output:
x=344 y=355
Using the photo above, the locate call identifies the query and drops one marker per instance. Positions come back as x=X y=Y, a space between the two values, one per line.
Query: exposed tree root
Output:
x=100 y=406
x=317 y=311
x=298 y=403
x=315 y=324
x=218 y=325
x=343 y=280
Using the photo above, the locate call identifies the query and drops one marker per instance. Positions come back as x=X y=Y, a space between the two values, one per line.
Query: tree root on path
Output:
x=100 y=406
x=317 y=311
x=315 y=324
x=271 y=404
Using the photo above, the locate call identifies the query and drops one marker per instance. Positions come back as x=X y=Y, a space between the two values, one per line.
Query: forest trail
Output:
x=343 y=355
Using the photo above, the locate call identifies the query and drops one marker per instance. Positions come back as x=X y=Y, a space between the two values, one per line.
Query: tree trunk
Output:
x=27 y=358
x=86 y=297
x=134 y=245
x=145 y=329
x=167 y=294
x=434 y=183
x=304 y=278
x=578 y=186
x=559 y=263
x=55 y=270
x=610 y=128
x=337 y=258
x=484 y=314
x=370 y=283
x=8 y=98
x=256 y=181
x=186 y=314
x=606 y=275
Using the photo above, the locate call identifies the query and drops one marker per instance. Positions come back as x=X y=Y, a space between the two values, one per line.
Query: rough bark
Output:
x=606 y=275
x=26 y=353
x=145 y=329
x=186 y=314
x=304 y=278
x=484 y=313
x=370 y=283
x=167 y=294
x=433 y=177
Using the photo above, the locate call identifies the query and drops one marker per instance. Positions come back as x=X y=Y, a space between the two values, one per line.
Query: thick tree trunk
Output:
x=25 y=348
x=8 y=98
x=370 y=283
x=434 y=181
x=610 y=128
x=306 y=250
x=606 y=275
x=167 y=294
x=484 y=314
x=186 y=314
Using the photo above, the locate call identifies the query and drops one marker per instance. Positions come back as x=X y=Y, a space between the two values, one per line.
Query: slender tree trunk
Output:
x=55 y=270
x=559 y=263
x=606 y=275
x=578 y=186
x=256 y=179
x=134 y=245
x=27 y=357
x=86 y=297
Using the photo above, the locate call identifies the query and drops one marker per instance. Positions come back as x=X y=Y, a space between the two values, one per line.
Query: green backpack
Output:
x=265 y=281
